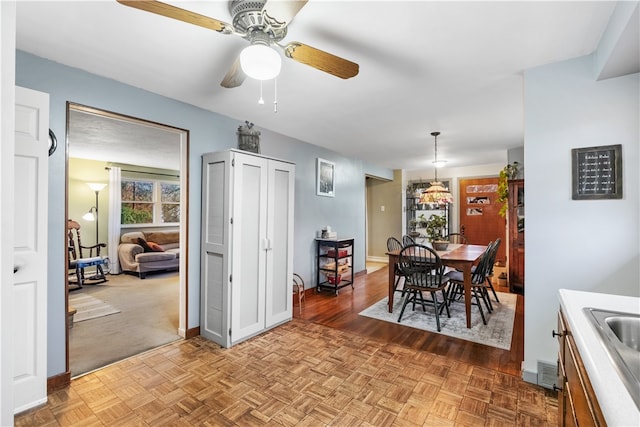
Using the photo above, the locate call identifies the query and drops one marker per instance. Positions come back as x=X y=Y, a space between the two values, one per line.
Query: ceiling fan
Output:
x=264 y=24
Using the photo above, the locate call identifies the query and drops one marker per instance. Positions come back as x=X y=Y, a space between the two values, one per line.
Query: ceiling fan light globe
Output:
x=260 y=62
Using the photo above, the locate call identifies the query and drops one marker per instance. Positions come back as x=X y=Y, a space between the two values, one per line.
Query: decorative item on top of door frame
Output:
x=325 y=180
x=596 y=172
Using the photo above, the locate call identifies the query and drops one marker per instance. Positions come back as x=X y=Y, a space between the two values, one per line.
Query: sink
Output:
x=619 y=333
x=626 y=329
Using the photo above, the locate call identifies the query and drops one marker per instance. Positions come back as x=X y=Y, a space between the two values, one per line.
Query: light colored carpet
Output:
x=148 y=318
x=496 y=333
x=89 y=307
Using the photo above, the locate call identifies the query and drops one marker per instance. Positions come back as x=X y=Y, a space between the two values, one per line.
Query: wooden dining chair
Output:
x=424 y=272
x=478 y=287
x=456 y=238
x=394 y=245
x=408 y=240
x=492 y=248
x=492 y=261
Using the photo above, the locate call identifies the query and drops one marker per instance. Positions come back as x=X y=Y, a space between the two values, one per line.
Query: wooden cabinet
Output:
x=247 y=245
x=516 y=235
x=577 y=403
x=334 y=258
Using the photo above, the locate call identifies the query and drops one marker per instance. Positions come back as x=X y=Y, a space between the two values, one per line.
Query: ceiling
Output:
x=96 y=136
x=454 y=67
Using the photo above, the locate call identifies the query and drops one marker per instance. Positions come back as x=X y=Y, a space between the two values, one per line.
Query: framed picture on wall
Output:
x=597 y=172
x=325 y=178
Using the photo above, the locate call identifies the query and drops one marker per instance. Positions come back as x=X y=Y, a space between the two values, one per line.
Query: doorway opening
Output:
x=139 y=306
x=383 y=218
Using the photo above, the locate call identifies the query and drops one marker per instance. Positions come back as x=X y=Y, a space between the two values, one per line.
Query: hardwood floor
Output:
x=341 y=312
x=328 y=366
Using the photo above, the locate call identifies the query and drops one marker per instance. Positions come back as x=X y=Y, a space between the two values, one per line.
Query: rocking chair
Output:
x=78 y=262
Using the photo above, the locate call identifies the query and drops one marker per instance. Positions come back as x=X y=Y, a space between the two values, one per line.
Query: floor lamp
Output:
x=93 y=212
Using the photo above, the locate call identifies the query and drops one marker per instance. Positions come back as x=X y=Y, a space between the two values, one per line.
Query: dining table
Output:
x=458 y=256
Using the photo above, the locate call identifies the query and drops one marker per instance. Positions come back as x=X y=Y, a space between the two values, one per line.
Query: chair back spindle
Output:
x=407 y=240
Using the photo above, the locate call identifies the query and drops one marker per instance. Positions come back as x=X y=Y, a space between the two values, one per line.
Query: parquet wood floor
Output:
x=326 y=367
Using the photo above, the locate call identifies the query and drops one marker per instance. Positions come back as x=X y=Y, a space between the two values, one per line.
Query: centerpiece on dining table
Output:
x=435 y=230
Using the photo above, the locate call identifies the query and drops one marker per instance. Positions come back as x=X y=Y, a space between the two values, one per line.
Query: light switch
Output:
x=382 y=208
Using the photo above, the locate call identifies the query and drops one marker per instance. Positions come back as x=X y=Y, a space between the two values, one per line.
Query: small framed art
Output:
x=325 y=178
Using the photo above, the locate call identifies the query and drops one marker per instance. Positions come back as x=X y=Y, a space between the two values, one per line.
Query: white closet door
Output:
x=30 y=249
x=279 y=289
x=249 y=245
x=216 y=240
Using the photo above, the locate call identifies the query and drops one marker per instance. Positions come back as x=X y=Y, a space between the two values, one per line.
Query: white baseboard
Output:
x=377 y=259
x=530 y=376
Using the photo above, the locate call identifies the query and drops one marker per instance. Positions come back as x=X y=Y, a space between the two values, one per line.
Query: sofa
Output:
x=143 y=252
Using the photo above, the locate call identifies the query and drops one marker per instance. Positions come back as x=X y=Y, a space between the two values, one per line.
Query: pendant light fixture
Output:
x=436 y=193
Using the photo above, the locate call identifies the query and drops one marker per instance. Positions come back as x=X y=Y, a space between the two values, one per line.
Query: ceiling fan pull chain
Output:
x=275 y=95
x=261 y=101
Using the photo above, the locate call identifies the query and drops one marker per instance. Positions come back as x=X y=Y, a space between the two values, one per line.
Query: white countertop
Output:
x=616 y=403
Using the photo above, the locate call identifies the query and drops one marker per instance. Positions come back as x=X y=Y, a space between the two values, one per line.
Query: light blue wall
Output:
x=208 y=132
x=587 y=245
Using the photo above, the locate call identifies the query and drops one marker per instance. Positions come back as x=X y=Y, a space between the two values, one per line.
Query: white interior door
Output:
x=30 y=249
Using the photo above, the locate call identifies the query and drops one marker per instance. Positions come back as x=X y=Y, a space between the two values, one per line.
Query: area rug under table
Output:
x=496 y=333
x=89 y=307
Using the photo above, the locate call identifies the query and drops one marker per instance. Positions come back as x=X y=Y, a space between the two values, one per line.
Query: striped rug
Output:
x=89 y=307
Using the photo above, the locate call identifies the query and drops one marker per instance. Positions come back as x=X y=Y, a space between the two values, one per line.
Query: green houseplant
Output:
x=414 y=224
x=510 y=171
x=435 y=227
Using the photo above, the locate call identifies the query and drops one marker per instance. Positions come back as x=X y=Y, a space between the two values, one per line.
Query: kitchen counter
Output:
x=616 y=403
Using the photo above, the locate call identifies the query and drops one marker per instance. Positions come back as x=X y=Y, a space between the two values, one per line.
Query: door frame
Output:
x=183 y=315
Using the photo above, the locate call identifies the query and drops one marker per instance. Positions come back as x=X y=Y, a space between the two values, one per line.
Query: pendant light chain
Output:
x=435 y=134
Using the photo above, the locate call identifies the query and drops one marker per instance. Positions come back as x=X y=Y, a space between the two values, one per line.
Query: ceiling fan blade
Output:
x=321 y=60
x=283 y=11
x=234 y=77
x=183 y=15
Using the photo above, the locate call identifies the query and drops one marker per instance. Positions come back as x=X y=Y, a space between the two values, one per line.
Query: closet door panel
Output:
x=249 y=232
x=216 y=248
x=279 y=303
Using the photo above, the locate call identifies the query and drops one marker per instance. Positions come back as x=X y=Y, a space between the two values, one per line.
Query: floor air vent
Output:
x=547 y=374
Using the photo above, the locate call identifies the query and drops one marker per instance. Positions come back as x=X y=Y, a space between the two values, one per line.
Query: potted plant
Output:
x=435 y=227
x=510 y=171
x=413 y=225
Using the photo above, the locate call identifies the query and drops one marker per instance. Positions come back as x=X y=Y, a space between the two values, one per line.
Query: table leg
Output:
x=467 y=292
x=393 y=259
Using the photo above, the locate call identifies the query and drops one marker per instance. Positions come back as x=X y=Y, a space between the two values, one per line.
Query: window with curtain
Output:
x=150 y=202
